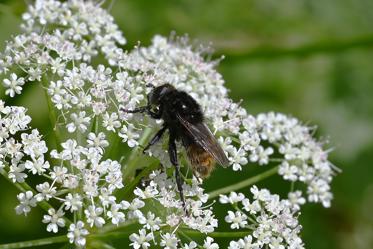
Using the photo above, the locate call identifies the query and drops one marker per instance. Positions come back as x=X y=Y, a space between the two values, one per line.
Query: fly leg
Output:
x=156 y=138
x=147 y=109
x=197 y=177
x=137 y=110
x=173 y=158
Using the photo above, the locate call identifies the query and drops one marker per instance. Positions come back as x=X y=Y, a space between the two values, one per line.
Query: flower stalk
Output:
x=51 y=113
x=235 y=234
x=37 y=242
x=243 y=184
x=133 y=160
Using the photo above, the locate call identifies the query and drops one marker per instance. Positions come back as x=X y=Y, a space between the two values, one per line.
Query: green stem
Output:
x=132 y=184
x=329 y=46
x=99 y=245
x=114 y=141
x=113 y=235
x=37 y=242
x=184 y=235
x=134 y=158
x=23 y=186
x=244 y=183
x=64 y=239
x=109 y=228
x=217 y=234
x=292 y=186
x=52 y=115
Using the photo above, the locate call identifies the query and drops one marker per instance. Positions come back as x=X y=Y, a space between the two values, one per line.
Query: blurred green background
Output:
x=310 y=59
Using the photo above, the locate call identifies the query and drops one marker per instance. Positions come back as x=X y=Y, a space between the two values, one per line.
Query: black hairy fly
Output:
x=184 y=120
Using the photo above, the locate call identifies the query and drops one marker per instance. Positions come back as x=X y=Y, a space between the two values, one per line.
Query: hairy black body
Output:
x=176 y=104
x=183 y=118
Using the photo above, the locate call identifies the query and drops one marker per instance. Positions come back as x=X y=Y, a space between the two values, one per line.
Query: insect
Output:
x=184 y=120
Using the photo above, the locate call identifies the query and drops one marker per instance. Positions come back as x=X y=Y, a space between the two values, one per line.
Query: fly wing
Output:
x=203 y=137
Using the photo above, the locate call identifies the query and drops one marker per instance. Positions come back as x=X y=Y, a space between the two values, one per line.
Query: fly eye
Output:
x=154 y=108
x=163 y=91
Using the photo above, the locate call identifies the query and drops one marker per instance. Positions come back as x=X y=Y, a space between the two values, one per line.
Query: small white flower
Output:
x=77 y=234
x=13 y=85
x=33 y=145
x=276 y=243
x=16 y=173
x=169 y=241
x=260 y=194
x=54 y=220
x=261 y=155
x=26 y=202
x=73 y=202
x=37 y=166
x=141 y=240
x=191 y=245
x=58 y=174
x=149 y=192
x=173 y=220
x=34 y=74
x=209 y=244
x=318 y=191
x=79 y=121
x=150 y=222
x=93 y=216
x=115 y=215
x=245 y=243
x=249 y=140
x=129 y=135
x=233 y=198
x=45 y=192
x=106 y=198
x=253 y=207
x=296 y=200
x=70 y=149
x=238 y=219
x=57 y=66
x=238 y=157
x=289 y=172
x=111 y=122
x=98 y=141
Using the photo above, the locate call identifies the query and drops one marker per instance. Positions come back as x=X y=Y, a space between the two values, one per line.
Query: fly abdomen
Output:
x=201 y=161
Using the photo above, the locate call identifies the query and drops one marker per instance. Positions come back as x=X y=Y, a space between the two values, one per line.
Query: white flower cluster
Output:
x=84 y=185
x=274 y=222
x=59 y=40
x=168 y=241
x=304 y=158
x=81 y=182
x=56 y=35
x=160 y=193
x=86 y=95
x=20 y=151
x=59 y=43
x=79 y=179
